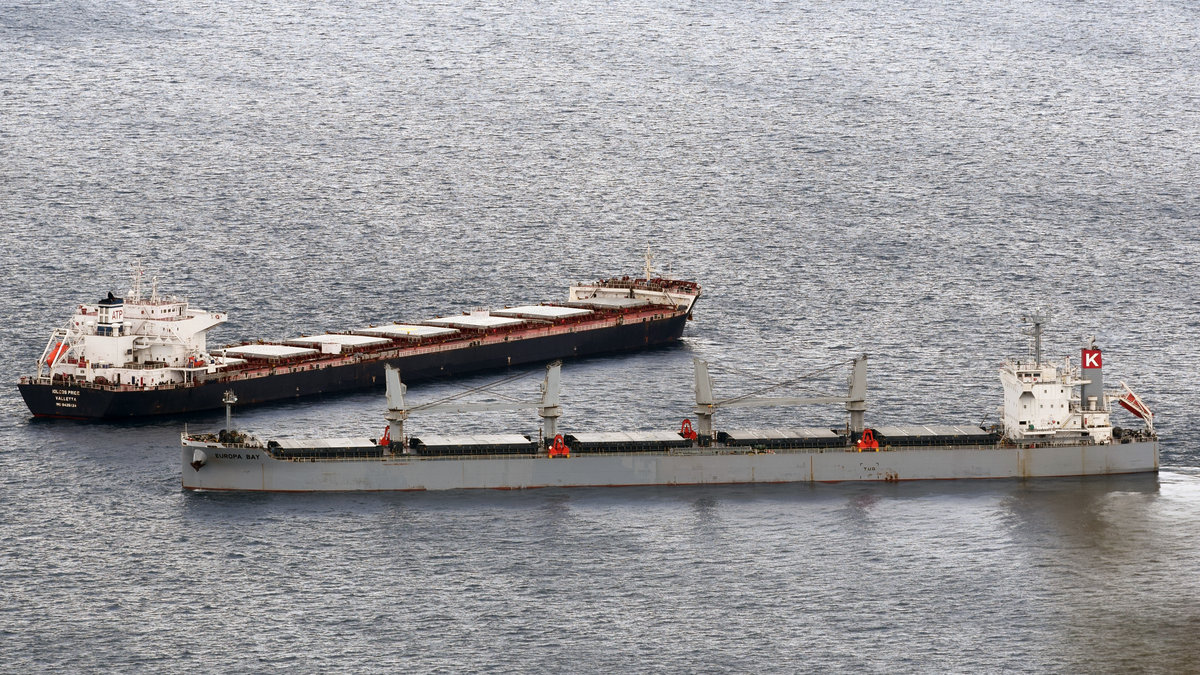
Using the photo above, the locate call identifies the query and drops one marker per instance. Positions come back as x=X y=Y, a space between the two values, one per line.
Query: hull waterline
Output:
x=248 y=469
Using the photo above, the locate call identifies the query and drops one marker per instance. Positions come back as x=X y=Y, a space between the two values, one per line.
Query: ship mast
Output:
x=229 y=399
x=1039 y=319
x=135 y=292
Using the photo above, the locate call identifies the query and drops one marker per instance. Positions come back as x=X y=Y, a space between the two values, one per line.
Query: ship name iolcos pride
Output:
x=1056 y=421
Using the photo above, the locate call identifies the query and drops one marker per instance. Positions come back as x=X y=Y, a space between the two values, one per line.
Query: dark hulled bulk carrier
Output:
x=148 y=355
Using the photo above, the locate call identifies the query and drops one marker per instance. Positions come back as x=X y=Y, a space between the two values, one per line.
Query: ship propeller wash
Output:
x=1056 y=422
x=148 y=355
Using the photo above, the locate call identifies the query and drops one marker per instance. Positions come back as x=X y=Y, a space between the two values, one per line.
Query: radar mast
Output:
x=1039 y=319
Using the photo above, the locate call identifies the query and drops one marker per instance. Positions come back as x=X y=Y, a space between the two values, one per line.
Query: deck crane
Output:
x=706 y=405
x=398 y=411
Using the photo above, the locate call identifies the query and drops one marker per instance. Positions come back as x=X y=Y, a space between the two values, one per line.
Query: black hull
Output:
x=77 y=402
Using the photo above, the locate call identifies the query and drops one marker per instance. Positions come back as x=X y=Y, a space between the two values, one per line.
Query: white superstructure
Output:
x=1058 y=403
x=135 y=340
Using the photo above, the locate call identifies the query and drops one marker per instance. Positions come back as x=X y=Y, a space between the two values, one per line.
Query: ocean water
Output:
x=841 y=177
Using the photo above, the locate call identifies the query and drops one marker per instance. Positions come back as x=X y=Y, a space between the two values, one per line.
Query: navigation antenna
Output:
x=1039 y=319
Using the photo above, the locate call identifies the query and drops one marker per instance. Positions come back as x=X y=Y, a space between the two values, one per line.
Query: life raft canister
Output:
x=868 y=442
x=686 y=430
x=559 y=447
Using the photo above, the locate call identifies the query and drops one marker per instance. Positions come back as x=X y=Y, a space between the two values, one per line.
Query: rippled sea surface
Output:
x=841 y=177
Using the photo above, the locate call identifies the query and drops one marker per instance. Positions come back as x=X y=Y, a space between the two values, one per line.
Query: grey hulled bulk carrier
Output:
x=1056 y=421
x=148 y=354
